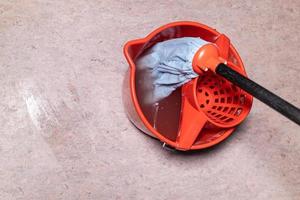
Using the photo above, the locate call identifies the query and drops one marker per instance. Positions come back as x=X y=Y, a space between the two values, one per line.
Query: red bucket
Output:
x=167 y=122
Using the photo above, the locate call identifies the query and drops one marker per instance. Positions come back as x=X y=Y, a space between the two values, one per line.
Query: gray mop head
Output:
x=166 y=66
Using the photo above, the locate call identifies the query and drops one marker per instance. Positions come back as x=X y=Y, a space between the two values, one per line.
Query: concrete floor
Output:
x=64 y=134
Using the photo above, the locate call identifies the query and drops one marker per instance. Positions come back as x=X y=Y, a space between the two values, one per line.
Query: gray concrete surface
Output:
x=64 y=134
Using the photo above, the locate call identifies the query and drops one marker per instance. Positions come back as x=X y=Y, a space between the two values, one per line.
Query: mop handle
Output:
x=285 y=108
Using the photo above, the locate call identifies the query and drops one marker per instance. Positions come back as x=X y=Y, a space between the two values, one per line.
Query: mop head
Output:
x=166 y=66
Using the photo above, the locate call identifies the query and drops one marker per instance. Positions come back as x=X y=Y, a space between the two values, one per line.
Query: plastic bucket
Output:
x=210 y=134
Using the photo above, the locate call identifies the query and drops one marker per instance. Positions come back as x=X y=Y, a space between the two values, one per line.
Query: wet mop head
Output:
x=166 y=66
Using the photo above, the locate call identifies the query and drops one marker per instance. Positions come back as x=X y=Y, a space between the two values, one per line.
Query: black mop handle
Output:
x=261 y=93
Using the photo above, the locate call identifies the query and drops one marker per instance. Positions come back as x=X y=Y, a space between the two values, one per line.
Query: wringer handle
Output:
x=285 y=108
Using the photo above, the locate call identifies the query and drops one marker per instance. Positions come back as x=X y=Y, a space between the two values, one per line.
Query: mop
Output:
x=167 y=66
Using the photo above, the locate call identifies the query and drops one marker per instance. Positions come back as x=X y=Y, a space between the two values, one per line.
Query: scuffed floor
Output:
x=64 y=134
